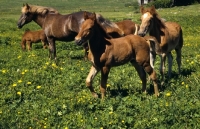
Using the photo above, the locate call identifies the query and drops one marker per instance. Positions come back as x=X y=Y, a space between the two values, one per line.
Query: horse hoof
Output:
x=95 y=95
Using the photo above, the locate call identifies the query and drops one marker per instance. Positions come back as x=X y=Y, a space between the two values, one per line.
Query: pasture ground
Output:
x=36 y=93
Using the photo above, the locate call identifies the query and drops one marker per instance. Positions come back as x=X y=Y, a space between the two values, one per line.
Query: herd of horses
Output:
x=108 y=44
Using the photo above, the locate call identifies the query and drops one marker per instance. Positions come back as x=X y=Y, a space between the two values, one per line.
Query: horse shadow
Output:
x=150 y=91
x=175 y=76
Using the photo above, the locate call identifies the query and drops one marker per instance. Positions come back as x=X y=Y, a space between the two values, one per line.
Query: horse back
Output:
x=130 y=47
x=173 y=37
x=127 y=26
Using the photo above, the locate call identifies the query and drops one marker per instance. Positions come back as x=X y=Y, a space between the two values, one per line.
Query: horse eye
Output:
x=28 y=13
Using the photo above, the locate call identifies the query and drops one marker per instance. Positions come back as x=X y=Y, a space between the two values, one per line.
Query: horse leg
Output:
x=23 y=45
x=170 y=59
x=141 y=74
x=162 y=66
x=29 y=43
x=178 y=59
x=153 y=77
x=52 y=48
x=44 y=44
x=93 y=72
x=104 y=77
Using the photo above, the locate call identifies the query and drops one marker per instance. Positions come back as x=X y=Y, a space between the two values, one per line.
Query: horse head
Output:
x=86 y=29
x=146 y=20
x=25 y=17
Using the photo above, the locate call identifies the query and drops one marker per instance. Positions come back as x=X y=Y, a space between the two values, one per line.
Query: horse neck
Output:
x=97 y=42
x=157 y=29
x=39 y=19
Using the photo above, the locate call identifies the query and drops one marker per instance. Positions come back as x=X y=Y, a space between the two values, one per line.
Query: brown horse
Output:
x=106 y=52
x=56 y=26
x=127 y=26
x=30 y=37
x=168 y=34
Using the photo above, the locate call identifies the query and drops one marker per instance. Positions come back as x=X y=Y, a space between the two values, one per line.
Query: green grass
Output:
x=36 y=93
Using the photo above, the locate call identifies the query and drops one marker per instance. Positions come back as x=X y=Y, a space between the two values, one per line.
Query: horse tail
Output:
x=153 y=44
x=154 y=48
x=136 y=29
x=181 y=38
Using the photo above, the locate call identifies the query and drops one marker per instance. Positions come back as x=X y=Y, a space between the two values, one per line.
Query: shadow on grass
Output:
x=150 y=90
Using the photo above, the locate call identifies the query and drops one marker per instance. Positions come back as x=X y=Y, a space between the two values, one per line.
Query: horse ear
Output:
x=153 y=9
x=142 y=9
x=23 y=4
x=27 y=6
x=85 y=16
x=94 y=16
x=44 y=11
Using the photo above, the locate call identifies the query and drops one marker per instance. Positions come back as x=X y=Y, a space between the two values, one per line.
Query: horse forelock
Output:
x=156 y=16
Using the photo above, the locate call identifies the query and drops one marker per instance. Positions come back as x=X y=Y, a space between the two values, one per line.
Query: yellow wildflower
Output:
x=183 y=83
x=19 y=57
x=66 y=128
x=19 y=93
x=110 y=112
x=54 y=65
x=23 y=73
x=19 y=81
x=186 y=86
x=108 y=85
x=28 y=83
x=25 y=70
x=38 y=87
x=122 y=121
x=14 y=85
x=168 y=94
x=3 y=71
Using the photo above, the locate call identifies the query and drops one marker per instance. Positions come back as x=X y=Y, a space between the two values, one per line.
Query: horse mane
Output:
x=156 y=16
x=102 y=30
x=39 y=9
x=105 y=23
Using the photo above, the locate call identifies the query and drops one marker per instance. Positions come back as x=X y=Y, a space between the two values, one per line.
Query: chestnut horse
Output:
x=168 y=34
x=56 y=26
x=30 y=37
x=127 y=26
x=106 y=52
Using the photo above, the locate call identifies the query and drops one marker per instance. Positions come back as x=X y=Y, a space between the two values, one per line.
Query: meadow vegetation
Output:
x=37 y=93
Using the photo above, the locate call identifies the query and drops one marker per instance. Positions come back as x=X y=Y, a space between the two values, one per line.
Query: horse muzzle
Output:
x=141 y=34
x=79 y=42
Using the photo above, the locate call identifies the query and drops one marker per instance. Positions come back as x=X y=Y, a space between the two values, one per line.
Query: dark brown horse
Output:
x=106 y=52
x=57 y=26
x=168 y=34
x=30 y=37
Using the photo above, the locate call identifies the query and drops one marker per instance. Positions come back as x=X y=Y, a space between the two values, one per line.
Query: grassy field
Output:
x=36 y=93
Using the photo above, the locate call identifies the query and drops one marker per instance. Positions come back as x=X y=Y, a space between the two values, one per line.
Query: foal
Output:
x=30 y=37
x=106 y=52
x=168 y=34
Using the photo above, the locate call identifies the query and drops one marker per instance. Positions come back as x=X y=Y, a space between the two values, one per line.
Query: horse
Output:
x=168 y=34
x=55 y=25
x=106 y=52
x=127 y=26
x=30 y=37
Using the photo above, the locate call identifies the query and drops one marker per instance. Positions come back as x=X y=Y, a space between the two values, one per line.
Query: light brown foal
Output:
x=168 y=34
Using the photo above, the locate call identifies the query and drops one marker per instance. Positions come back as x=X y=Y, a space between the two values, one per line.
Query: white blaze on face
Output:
x=145 y=15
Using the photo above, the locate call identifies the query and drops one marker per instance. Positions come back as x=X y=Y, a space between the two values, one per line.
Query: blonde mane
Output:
x=38 y=9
